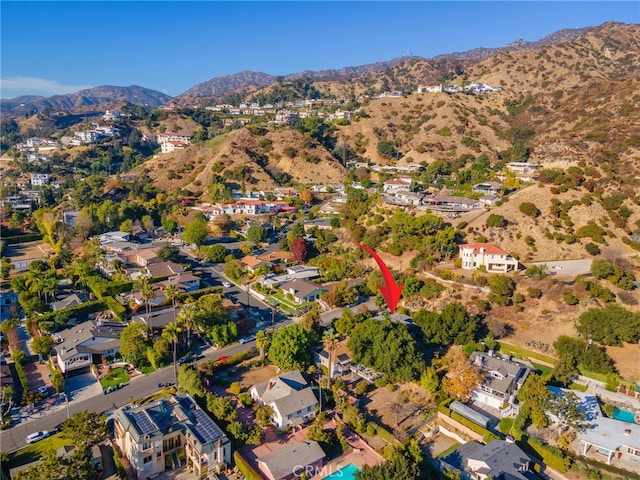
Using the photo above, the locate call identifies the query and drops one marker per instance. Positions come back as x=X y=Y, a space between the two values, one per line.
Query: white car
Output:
x=36 y=437
x=43 y=391
x=226 y=284
x=248 y=339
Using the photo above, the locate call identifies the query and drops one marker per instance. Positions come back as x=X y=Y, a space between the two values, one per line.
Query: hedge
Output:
x=198 y=293
x=245 y=468
x=83 y=310
x=106 y=288
x=551 y=456
x=22 y=376
x=487 y=435
x=29 y=237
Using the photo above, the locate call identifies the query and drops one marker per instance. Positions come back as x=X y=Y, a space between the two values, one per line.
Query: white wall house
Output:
x=39 y=179
x=493 y=258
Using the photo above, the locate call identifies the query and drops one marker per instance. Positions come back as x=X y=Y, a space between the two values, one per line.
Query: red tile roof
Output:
x=488 y=248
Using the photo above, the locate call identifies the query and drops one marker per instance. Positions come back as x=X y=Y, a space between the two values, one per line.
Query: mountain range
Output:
x=247 y=81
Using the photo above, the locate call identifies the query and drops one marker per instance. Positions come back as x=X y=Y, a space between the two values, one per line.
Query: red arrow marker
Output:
x=390 y=290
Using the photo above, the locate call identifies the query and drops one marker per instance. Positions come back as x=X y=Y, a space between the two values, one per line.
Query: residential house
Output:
x=145 y=257
x=9 y=306
x=110 y=115
x=164 y=269
x=303 y=291
x=429 y=88
x=164 y=431
x=497 y=459
x=69 y=301
x=292 y=461
x=493 y=188
x=522 y=168
x=493 y=258
x=396 y=184
x=39 y=179
x=290 y=396
x=323 y=223
x=503 y=378
x=85 y=344
x=276 y=258
x=254 y=263
x=184 y=282
x=302 y=272
x=403 y=198
x=448 y=203
x=341 y=358
x=606 y=439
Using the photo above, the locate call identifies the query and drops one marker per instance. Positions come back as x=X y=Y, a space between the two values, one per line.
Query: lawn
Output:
x=117 y=376
x=525 y=354
x=544 y=369
x=449 y=450
x=35 y=451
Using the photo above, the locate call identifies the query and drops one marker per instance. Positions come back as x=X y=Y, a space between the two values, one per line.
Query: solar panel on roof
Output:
x=143 y=422
x=205 y=428
x=187 y=403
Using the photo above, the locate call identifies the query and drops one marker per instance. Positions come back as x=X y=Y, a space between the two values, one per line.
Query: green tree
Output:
x=215 y=253
x=256 y=234
x=388 y=348
x=133 y=343
x=190 y=381
x=534 y=396
x=223 y=408
x=42 y=345
x=291 y=348
x=529 y=209
x=196 y=231
x=5 y=268
x=263 y=414
x=453 y=325
x=85 y=428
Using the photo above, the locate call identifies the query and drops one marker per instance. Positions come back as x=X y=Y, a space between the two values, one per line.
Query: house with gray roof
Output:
x=302 y=272
x=87 y=343
x=69 y=301
x=303 y=291
x=292 y=460
x=606 y=439
x=290 y=396
x=159 y=433
x=503 y=378
x=500 y=459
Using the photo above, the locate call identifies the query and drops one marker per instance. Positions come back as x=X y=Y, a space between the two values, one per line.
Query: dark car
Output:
x=186 y=359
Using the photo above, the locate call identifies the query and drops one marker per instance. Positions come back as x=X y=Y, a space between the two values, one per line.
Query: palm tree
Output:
x=187 y=317
x=330 y=341
x=147 y=293
x=263 y=340
x=170 y=333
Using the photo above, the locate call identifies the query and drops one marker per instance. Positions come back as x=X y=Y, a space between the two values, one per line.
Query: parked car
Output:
x=37 y=436
x=186 y=359
x=44 y=391
x=247 y=339
x=226 y=284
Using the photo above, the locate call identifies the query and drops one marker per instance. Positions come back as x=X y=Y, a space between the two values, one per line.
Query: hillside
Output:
x=78 y=101
x=252 y=162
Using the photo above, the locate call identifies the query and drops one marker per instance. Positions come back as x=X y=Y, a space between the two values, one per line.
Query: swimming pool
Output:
x=345 y=473
x=624 y=415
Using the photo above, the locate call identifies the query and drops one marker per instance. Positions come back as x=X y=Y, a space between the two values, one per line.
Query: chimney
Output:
x=481 y=249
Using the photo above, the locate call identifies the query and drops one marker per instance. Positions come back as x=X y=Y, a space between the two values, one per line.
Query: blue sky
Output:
x=50 y=48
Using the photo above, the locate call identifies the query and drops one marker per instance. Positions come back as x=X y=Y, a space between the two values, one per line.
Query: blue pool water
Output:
x=345 y=473
x=624 y=415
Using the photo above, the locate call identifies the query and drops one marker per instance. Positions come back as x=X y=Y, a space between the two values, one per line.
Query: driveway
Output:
x=567 y=267
x=82 y=387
